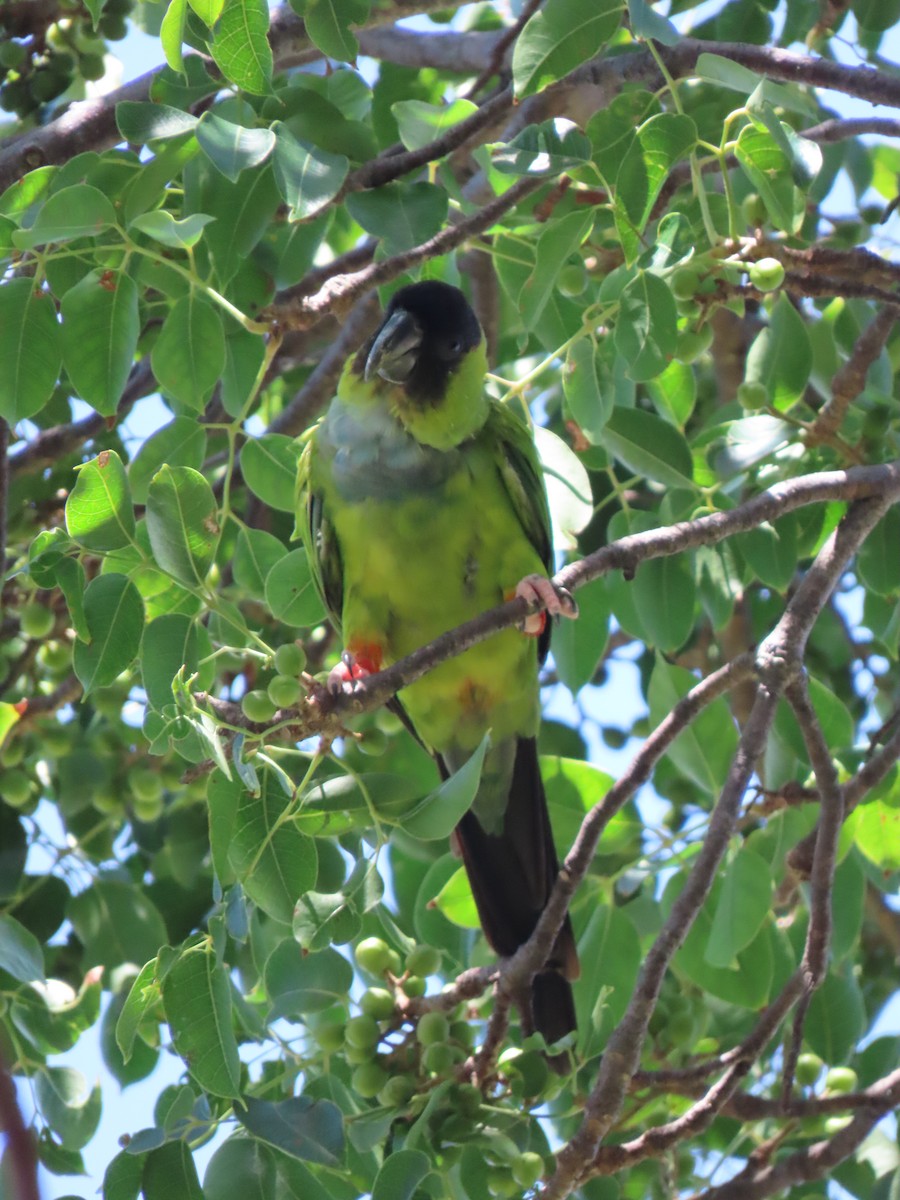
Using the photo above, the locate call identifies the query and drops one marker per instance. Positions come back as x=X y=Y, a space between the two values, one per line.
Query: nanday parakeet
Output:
x=423 y=504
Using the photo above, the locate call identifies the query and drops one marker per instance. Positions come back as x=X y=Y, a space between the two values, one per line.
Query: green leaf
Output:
x=116 y=923
x=578 y=646
x=646 y=24
x=240 y=46
x=878 y=561
x=420 y=123
x=729 y=74
x=99 y=513
x=20 y=951
x=876 y=16
x=255 y=554
x=328 y=25
x=836 y=1017
x=560 y=36
x=456 y=902
x=645 y=332
x=143 y=996
x=232 y=148
x=588 y=405
x=241 y=1169
x=168 y=646
x=189 y=355
x=182 y=521
x=180 y=443
x=613 y=130
x=114 y=613
x=274 y=862
x=781 y=356
x=661 y=141
x=312 y=1130
x=196 y=994
x=30 y=355
x=291 y=595
x=771 y=552
x=674 y=393
x=541 y=150
x=649 y=446
x=555 y=244
x=100 y=333
x=878 y=834
x=610 y=953
x=401 y=214
x=269 y=467
x=208 y=11
x=400 y=1174
x=768 y=167
x=308 y=177
x=568 y=488
x=437 y=815
x=170 y=1172
x=163 y=228
x=702 y=751
x=69 y=1105
x=665 y=593
x=744 y=902
x=298 y=982
x=141 y=121
x=73 y=212
x=171 y=34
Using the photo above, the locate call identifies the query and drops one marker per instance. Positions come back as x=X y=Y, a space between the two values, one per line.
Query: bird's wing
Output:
x=520 y=469
x=318 y=536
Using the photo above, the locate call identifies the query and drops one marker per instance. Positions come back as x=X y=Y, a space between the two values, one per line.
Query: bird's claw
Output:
x=348 y=673
x=557 y=601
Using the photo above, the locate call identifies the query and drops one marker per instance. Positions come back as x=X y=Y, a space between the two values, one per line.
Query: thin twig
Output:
x=850 y=380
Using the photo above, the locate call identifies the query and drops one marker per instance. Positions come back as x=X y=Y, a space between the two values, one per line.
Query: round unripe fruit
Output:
x=438 y=1059
x=373 y=955
x=36 y=620
x=766 y=274
x=377 y=1003
x=398 y=1090
x=148 y=810
x=572 y=279
x=145 y=784
x=329 y=1037
x=433 y=1027
x=834 y=1125
x=256 y=706
x=414 y=985
x=466 y=1099
x=355 y=1055
x=362 y=1032
x=373 y=742
x=500 y=1182
x=461 y=1031
x=12 y=753
x=114 y=27
x=684 y=283
x=752 y=395
x=809 y=1067
x=15 y=788
x=284 y=691
x=691 y=343
x=368 y=1080
x=527 y=1169
x=55 y=656
x=92 y=66
x=290 y=659
x=423 y=960
x=754 y=210
x=841 y=1080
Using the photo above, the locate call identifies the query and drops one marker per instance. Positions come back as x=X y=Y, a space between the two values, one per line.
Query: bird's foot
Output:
x=352 y=669
x=557 y=601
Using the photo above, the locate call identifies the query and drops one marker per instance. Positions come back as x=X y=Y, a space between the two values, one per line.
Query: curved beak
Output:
x=393 y=353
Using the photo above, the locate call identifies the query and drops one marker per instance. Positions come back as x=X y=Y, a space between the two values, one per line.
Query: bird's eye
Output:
x=455 y=346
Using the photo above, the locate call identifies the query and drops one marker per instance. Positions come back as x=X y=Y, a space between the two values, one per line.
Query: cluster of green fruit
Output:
x=399 y=1064
x=38 y=65
x=282 y=691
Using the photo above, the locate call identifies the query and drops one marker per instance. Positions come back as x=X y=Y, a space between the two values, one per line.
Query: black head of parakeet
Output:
x=427 y=330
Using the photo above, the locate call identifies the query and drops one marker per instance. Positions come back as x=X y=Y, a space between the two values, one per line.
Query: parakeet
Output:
x=423 y=505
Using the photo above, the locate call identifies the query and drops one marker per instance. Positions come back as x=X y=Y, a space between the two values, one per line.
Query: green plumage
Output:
x=424 y=506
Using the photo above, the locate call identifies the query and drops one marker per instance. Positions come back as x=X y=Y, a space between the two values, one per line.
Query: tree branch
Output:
x=850 y=380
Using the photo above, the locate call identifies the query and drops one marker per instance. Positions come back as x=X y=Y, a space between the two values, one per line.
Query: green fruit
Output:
x=691 y=343
x=809 y=1067
x=362 y=1032
x=414 y=985
x=373 y=742
x=834 y=1125
x=754 y=210
x=438 y=1058
x=329 y=1037
x=377 y=1003
x=572 y=279
x=461 y=1032
x=290 y=659
x=397 y=1092
x=373 y=956
x=527 y=1169
x=753 y=395
x=12 y=54
x=432 y=1027
x=841 y=1080
x=15 y=788
x=355 y=1055
x=146 y=784
x=13 y=752
x=766 y=274
x=684 y=283
x=284 y=691
x=368 y=1080
x=466 y=1099
x=113 y=27
x=423 y=960
x=55 y=657
x=500 y=1182
x=148 y=811
x=36 y=620
x=256 y=706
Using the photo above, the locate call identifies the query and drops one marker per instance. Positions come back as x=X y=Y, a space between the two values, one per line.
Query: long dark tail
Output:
x=511 y=875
